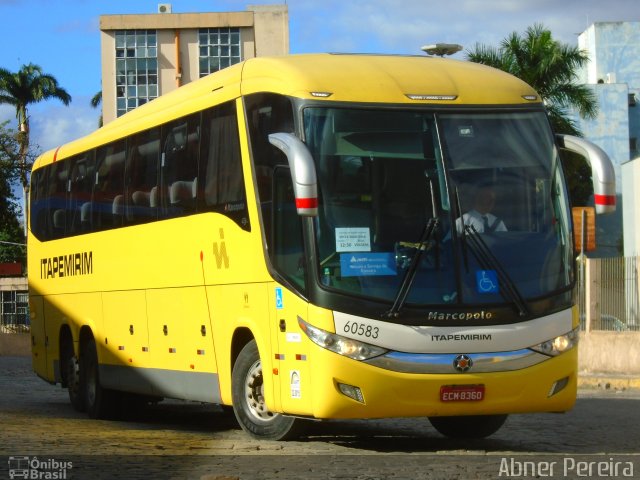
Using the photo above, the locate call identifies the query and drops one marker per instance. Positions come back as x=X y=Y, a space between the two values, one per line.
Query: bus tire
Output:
x=249 y=405
x=471 y=426
x=98 y=400
x=75 y=384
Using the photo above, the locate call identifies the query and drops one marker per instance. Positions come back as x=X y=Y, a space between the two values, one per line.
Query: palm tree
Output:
x=549 y=67
x=21 y=89
x=96 y=100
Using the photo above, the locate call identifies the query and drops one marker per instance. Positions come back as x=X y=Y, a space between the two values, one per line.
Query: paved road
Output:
x=188 y=440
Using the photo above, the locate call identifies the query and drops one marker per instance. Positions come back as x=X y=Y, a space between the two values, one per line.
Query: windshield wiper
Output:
x=410 y=274
x=488 y=261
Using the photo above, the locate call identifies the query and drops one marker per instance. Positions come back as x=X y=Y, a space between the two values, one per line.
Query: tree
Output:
x=11 y=232
x=96 y=100
x=550 y=67
x=22 y=89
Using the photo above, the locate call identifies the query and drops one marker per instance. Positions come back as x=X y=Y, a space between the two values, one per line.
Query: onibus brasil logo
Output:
x=34 y=468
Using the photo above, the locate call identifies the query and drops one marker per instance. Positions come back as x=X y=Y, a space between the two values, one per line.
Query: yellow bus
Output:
x=297 y=237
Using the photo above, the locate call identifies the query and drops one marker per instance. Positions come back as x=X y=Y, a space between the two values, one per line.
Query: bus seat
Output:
x=141 y=198
x=118 y=205
x=183 y=191
x=154 y=197
x=58 y=222
x=85 y=214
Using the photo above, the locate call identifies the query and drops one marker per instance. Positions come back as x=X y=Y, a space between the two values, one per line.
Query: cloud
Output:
x=8 y=113
x=83 y=26
x=393 y=26
x=53 y=125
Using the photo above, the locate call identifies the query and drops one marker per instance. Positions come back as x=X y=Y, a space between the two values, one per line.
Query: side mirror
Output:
x=303 y=172
x=604 y=177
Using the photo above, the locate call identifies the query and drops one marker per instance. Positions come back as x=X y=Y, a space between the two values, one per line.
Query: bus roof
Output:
x=394 y=79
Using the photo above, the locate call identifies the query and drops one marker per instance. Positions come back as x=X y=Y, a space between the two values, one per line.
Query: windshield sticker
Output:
x=367 y=264
x=353 y=239
x=279 y=301
x=487 y=281
x=294 y=380
x=465 y=131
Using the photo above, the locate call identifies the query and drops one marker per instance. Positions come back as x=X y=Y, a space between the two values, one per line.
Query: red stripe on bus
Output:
x=55 y=155
x=306 y=202
x=604 y=199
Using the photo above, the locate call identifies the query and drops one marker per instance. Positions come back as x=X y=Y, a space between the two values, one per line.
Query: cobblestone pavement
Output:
x=599 y=438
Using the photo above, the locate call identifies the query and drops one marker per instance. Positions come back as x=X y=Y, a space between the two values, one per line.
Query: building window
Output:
x=136 y=68
x=14 y=311
x=219 y=48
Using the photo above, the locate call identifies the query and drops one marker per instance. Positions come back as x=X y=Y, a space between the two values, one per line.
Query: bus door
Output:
x=287 y=256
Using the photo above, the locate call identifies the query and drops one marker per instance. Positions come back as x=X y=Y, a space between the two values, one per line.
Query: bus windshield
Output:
x=486 y=185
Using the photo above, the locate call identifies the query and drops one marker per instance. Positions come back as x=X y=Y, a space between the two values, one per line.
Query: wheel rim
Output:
x=254 y=394
x=73 y=379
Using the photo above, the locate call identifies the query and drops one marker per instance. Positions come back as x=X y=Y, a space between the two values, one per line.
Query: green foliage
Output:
x=21 y=89
x=10 y=229
x=550 y=67
x=578 y=177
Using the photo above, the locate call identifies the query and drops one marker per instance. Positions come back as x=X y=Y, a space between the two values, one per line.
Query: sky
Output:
x=62 y=36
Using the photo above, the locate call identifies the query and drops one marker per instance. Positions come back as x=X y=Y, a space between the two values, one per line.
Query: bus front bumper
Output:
x=346 y=388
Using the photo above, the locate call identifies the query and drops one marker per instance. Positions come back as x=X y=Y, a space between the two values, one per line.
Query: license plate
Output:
x=461 y=393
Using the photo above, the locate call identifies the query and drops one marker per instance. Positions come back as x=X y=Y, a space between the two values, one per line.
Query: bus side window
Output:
x=81 y=179
x=179 y=166
x=267 y=113
x=286 y=244
x=221 y=170
x=57 y=199
x=38 y=217
x=141 y=177
x=108 y=190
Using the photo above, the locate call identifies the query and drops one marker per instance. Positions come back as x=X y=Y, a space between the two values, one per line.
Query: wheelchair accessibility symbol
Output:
x=486 y=281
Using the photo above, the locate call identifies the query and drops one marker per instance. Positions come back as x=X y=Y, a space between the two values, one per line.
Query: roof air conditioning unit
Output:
x=164 y=8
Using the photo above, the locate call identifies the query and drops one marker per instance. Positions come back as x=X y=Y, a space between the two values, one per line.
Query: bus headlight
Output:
x=558 y=345
x=341 y=345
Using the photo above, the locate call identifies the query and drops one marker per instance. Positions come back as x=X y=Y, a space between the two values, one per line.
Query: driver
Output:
x=480 y=216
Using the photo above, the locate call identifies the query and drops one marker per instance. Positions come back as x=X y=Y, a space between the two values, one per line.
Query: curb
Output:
x=608 y=382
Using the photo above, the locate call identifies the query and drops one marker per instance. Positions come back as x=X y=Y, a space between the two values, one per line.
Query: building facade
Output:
x=145 y=56
x=613 y=72
x=14 y=304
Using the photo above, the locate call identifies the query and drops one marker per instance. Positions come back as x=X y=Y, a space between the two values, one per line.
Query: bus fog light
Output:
x=352 y=392
x=558 y=345
x=558 y=386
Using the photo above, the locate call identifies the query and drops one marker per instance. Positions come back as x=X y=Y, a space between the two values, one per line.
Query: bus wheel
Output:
x=472 y=426
x=75 y=385
x=97 y=399
x=248 y=399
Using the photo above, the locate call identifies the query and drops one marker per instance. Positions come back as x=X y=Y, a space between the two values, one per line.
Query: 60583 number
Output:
x=361 y=329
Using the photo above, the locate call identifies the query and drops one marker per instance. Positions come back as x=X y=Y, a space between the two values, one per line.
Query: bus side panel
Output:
x=234 y=307
x=126 y=341
x=38 y=336
x=291 y=357
x=56 y=315
x=180 y=339
x=73 y=311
